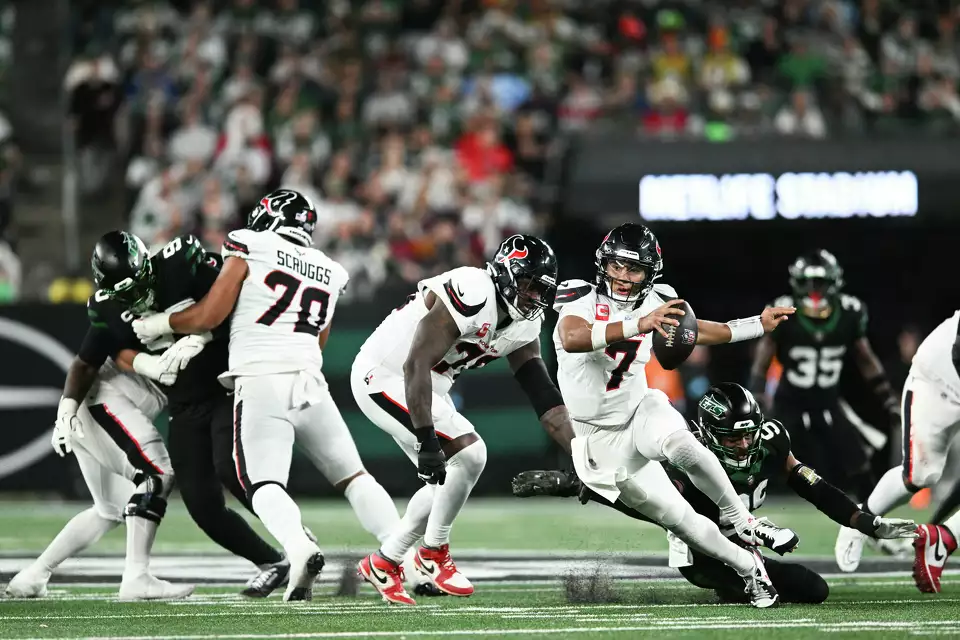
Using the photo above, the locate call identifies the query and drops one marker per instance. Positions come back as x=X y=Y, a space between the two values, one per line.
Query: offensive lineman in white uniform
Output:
x=459 y=320
x=930 y=422
x=123 y=461
x=603 y=340
x=285 y=292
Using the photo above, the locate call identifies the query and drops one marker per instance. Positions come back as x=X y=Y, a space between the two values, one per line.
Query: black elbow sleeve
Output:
x=824 y=496
x=533 y=378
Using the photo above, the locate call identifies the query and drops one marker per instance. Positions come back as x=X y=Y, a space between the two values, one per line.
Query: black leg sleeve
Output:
x=221 y=431
x=191 y=454
x=796 y=583
x=710 y=573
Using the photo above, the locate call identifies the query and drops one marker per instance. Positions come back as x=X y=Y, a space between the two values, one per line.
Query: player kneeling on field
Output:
x=752 y=450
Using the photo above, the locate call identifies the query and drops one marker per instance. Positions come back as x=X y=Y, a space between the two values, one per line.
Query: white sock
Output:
x=280 y=515
x=463 y=471
x=707 y=474
x=889 y=493
x=140 y=536
x=411 y=525
x=372 y=505
x=953 y=523
x=704 y=536
x=83 y=530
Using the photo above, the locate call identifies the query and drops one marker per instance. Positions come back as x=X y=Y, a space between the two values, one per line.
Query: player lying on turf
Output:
x=124 y=464
x=931 y=420
x=460 y=320
x=753 y=451
x=280 y=293
x=624 y=429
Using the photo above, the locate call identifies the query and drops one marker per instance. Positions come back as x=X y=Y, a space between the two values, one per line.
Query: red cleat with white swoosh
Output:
x=386 y=577
x=932 y=549
x=438 y=566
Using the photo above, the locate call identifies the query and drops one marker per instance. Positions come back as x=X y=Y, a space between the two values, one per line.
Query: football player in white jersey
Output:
x=624 y=429
x=122 y=459
x=930 y=410
x=282 y=293
x=459 y=320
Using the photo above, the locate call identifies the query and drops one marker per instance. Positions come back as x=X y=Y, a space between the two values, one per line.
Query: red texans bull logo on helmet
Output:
x=516 y=251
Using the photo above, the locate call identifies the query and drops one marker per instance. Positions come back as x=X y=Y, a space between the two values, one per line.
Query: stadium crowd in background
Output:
x=429 y=129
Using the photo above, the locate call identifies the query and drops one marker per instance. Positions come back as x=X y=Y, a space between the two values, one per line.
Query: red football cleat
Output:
x=931 y=551
x=386 y=577
x=438 y=566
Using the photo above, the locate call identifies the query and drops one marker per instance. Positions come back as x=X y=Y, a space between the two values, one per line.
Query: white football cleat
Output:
x=849 y=549
x=759 y=587
x=146 y=587
x=901 y=548
x=305 y=565
x=29 y=583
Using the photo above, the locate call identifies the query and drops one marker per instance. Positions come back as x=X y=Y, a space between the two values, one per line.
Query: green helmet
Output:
x=122 y=270
x=729 y=412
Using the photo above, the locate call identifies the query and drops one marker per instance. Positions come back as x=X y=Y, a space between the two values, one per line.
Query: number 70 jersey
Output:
x=603 y=388
x=287 y=299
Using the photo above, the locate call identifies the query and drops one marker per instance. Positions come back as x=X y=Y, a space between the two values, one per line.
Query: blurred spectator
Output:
x=800 y=117
x=10 y=274
x=423 y=129
x=93 y=86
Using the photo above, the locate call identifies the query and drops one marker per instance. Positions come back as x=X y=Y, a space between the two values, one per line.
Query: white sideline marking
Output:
x=839 y=627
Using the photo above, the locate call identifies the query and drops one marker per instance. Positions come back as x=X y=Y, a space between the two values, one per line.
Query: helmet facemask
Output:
x=534 y=296
x=737 y=445
x=136 y=293
x=814 y=289
x=623 y=287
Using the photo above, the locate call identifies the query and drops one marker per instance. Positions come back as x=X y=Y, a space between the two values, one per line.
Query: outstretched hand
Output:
x=773 y=316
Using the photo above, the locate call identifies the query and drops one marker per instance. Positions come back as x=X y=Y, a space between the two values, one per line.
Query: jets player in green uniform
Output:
x=754 y=450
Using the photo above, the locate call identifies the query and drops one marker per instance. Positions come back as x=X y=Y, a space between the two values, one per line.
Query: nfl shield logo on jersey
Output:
x=603 y=312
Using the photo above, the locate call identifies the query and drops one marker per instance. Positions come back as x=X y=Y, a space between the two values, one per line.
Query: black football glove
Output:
x=431 y=463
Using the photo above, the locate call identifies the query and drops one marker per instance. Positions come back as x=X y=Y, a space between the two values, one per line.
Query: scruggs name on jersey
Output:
x=603 y=388
x=286 y=301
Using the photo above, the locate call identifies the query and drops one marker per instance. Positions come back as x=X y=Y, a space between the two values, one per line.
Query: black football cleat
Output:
x=562 y=484
x=268 y=580
x=427 y=589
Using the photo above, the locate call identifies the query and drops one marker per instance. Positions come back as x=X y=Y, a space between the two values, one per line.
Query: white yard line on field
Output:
x=702 y=625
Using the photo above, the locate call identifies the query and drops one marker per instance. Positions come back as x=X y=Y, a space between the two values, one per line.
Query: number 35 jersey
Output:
x=469 y=296
x=603 y=388
x=286 y=301
x=812 y=352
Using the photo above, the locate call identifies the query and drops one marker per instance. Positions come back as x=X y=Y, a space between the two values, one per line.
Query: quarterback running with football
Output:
x=754 y=451
x=282 y=293
x=459 y=320
x=624 y=429
x=931 y=420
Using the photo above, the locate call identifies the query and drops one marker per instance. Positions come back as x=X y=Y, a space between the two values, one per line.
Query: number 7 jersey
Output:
x=603 y=388
x=286 y=301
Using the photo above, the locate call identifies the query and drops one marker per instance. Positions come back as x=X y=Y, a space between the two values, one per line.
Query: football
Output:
x=680 y=341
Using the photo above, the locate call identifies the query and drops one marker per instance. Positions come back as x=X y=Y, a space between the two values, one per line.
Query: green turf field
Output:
x=516 y=551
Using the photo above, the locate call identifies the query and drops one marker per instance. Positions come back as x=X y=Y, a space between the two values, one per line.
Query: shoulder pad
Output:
x=851 y=303
x=570 y=290
x=237 y=243
x=93 y=309
x=467 y=289
x=782 y=301
x=776 y=436
x=665 y=291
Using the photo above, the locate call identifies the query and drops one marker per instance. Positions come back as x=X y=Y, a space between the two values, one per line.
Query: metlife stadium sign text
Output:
x=764 y=196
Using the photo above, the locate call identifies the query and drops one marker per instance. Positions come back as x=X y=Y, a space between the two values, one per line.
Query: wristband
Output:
x=864 y=523
x=67 y=407
x=598 y=335
x=745 y=329
x=425 y=433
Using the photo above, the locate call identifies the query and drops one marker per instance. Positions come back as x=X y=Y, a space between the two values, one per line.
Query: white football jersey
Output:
x=112 y=383
x=603 y=388
x=934 y=356
x=469 y=295
x=287 y=299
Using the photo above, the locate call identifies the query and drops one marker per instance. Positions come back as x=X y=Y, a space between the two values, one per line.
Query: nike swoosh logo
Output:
x=459 y=291
x=429 y=567
x=936 y=552
x=381 y=578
